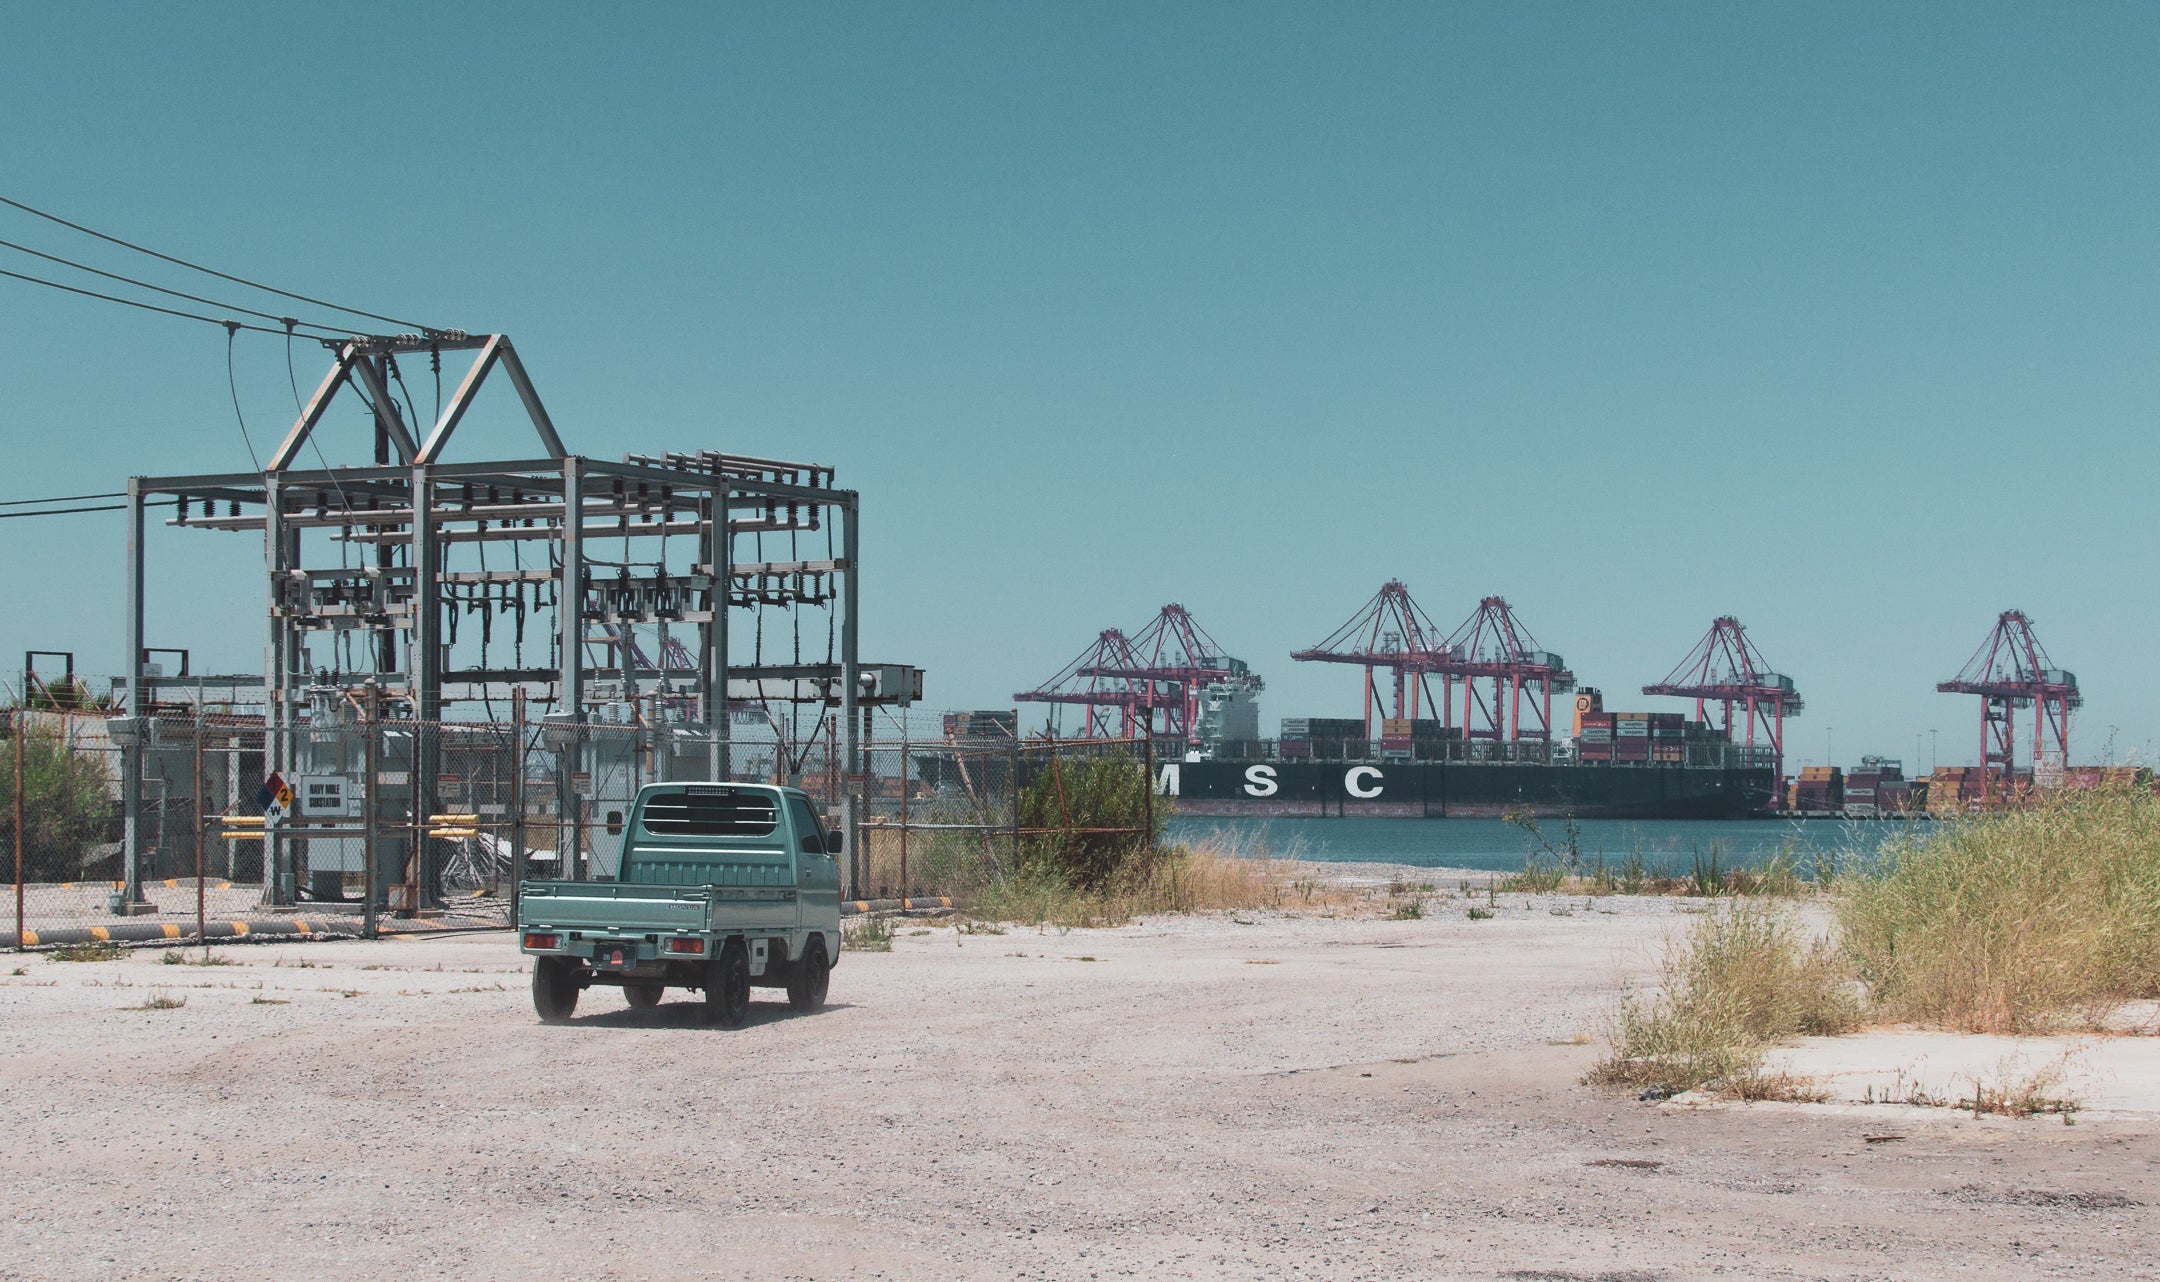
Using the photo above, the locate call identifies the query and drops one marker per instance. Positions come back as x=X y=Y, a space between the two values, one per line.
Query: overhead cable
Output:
x=232 y=332
x=71 y=511
x=130 y=302
x=64 y=498
x=210 y=271
x=286 y=321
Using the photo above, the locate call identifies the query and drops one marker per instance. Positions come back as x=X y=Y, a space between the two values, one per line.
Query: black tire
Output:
x=554 y=989
x=811 y=977
x=643 y=996
x=727 y=986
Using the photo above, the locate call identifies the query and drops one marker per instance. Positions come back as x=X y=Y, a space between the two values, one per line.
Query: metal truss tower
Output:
x=2011 y=672
x=1725 y=668
x=1113 y=707
x=1493 y=646
x=371 y=570
x=1155 y=678
x=1389 y=633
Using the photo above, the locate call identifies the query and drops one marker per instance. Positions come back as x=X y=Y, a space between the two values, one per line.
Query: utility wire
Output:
x=65 y=498
x=209 y=271
x=232 y=331
x=71 y=511
x=174 y=293
x=148 y=307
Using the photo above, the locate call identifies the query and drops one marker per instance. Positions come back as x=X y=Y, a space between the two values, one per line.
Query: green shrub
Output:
x=67 y=803
x=1099 y=810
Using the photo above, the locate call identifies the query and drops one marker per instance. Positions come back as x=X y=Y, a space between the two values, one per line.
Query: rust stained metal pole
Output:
x=202 y=934
x=865 y=792
x=1147 y=770
x=904 y=790
x=22 y=730
x=517 y=798
x=370 y=809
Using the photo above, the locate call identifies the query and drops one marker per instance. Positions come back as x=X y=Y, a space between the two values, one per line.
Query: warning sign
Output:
x=276 y=799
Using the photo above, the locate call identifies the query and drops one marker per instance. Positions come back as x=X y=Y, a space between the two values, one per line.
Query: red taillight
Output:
x=686 y=944
x=543 y=941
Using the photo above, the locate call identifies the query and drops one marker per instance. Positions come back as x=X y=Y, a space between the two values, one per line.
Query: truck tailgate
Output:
x=585 y=905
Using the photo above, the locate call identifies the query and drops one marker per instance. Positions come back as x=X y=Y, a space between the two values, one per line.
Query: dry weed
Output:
x=2041 y=917
x=1745 y=974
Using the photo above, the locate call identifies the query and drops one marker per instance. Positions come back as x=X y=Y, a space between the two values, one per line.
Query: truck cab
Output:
x=721 y=887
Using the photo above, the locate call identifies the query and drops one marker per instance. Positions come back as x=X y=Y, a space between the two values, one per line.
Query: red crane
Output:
x=1389 y=632
x=1164 y=669
x=1726 y=668
x=1493 y=645
x=2010 y=672
x=1106 y=699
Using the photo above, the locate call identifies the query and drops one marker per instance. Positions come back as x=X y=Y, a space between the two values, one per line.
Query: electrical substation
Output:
x=506 y=647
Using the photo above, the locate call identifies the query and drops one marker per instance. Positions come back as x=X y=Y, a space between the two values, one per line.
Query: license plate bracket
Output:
x=615 y=955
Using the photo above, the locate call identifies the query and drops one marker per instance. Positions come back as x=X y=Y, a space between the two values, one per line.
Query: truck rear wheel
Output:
x=727 y=985
x=643 y=996
x=811 y=977
x=554 y=989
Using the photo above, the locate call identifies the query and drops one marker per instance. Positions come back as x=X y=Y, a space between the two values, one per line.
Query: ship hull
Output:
x=1440 y=790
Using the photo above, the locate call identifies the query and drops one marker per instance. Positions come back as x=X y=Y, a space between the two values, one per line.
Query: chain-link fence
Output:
x=360 y=822
x=942 y=817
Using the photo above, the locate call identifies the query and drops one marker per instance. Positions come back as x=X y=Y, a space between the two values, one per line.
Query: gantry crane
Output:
x=1155 y=678
x=1389 y=632
x=1106 y=700
x=1492 y=645
x=1725 y=668
x=2011 y=672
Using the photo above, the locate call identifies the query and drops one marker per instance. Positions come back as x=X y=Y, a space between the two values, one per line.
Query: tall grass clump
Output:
x=2017 y=921
x=1745 y=974
x=1223 y=872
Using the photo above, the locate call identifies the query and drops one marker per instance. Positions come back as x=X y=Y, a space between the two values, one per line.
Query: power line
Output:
x=234 y=384
x=64 y=498
x=72 y=511
x=210 y=271
x=129 y=302
x=143 y=284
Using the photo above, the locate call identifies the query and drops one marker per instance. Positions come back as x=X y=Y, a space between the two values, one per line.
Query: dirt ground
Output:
x=1212 y=1098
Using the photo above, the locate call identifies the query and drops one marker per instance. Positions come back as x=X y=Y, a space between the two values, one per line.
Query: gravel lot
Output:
x=1273 y=1097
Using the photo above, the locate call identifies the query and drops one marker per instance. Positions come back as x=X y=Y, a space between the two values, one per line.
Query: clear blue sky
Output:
x=1838 y=318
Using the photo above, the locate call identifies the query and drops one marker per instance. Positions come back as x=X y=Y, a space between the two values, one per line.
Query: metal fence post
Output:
x=22 y=730
x=517 y=797
x=904 y=790
x=1147 y=771
x=202 y=933
x=371 y=770
x=1016 y=789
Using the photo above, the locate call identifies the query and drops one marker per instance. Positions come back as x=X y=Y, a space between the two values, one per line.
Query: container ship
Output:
x=1475 y=728
x=1619 y=766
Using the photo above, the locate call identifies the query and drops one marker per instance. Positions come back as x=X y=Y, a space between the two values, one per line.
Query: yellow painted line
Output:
x=29 y=939
x=239 y=928
x=302 y=927
x=100 y=934
x=171 y=931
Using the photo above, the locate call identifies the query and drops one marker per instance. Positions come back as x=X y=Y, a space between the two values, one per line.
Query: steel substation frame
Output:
x=415 y=498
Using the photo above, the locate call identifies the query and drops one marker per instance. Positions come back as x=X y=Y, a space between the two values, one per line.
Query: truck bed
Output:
x=622 y=908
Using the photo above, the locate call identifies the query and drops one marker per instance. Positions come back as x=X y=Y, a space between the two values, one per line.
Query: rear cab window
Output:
x=709 y=812
x=806 y=821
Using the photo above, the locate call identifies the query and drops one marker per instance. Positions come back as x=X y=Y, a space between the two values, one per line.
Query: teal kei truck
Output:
x=721 y=886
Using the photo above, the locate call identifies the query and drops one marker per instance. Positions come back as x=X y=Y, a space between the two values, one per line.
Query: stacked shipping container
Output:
x=1637 y=738
x=1818 y=788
